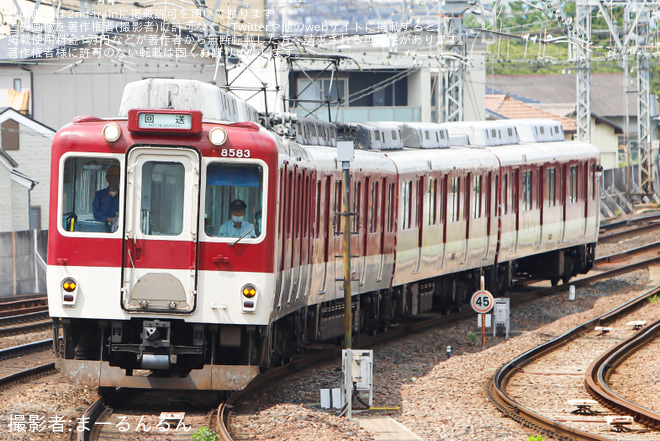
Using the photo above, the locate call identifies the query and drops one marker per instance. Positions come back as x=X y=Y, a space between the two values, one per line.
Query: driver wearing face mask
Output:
x=237 y=226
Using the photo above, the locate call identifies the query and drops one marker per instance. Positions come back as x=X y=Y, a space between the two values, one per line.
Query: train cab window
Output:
x=453 y=204
x=90 y=198
x=228 y=188
x=572 y=184
x=551 y=187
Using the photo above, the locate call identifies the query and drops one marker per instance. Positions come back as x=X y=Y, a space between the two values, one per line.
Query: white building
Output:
x=24 y=172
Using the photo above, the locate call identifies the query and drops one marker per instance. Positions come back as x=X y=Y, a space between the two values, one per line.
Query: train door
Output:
x=515 y=206
x=442 y=215
x=380 y=226
x=160 y=237
x=297 y=209
x=324 y=200
x=419 y=211
x=358 y=235
x=337 y=234
x=372 y=243
x=562 y=191
x=488 y=196
x=466 y=214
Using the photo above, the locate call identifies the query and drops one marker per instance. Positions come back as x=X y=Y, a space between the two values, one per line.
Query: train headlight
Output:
x=218 y=136
x=69 y=291
x=111 y=132
x=249 y=292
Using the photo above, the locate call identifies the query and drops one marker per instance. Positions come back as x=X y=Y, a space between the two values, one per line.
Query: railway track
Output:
x=23 y=306
x=620 y=229
x=597 y=378
x=29 y=367
x=147 y=414
x=496 y=388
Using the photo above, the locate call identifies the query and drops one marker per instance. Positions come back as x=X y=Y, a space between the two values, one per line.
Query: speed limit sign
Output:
x=482 y=302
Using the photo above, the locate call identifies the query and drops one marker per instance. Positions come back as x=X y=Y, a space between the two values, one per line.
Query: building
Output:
x=604 y=134
x=24 y=172
x=557 y=94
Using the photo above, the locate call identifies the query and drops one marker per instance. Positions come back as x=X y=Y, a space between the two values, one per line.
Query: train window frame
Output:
x=357 y=206
x=261 y=224
x=477 y=191
x=338 y=196
x=391 y=204
x=551 y=184
x=505 y=193
x=406 y=205
x=432 y=198
x=527 y=190
x=63 y=213
x=572 y=184
x=374 y=207
x=454 y=205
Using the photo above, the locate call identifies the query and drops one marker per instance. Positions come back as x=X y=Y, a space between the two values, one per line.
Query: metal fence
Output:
x=23 y=262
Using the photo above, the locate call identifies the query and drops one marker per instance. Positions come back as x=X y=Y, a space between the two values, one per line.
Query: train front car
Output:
x=160 y=259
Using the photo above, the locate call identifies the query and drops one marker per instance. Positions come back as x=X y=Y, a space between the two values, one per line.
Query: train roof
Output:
x=483 y=133
x=456 y=158
x=538 y=130
x=159 y=93
x=540 y=153
x=325 y=159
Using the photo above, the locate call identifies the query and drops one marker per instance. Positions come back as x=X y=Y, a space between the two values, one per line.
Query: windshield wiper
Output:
x=250 y=230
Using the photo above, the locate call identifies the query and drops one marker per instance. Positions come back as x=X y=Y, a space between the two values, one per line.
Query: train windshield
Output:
x=90 y=200
x=234 y=198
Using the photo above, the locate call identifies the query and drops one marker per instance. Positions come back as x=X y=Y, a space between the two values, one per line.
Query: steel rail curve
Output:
x=600 y=370
x=496 y=386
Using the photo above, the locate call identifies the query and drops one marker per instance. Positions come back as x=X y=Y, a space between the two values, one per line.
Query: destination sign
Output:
x=165 y=121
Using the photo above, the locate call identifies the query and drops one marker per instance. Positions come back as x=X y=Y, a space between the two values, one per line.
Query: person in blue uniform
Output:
x=237 y=226
x=106 y=201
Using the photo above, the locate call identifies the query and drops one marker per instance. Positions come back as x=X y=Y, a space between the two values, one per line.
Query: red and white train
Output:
x=163 y=298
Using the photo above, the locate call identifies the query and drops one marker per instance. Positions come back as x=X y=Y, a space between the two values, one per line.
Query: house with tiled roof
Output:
x=557 y=93
x=604 y=134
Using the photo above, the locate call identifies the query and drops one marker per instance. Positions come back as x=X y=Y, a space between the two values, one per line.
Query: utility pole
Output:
x=637 y=36
x=582 y=39
x=451 y=46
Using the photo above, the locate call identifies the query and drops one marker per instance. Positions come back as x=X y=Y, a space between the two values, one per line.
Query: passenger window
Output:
x=90 y=195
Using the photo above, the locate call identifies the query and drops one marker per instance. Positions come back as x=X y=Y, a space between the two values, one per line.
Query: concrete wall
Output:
x=22 y=256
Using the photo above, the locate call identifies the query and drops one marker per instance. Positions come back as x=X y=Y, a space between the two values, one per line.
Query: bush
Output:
x=205 y=434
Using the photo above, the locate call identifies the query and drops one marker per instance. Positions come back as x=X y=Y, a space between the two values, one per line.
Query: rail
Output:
x=601 y=369
x=496 y=387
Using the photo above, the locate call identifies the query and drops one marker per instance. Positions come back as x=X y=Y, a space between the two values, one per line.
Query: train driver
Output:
x=106 y=201
x=237 y=226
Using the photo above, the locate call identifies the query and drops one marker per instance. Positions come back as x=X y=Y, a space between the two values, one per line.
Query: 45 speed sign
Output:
x=482 y=302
